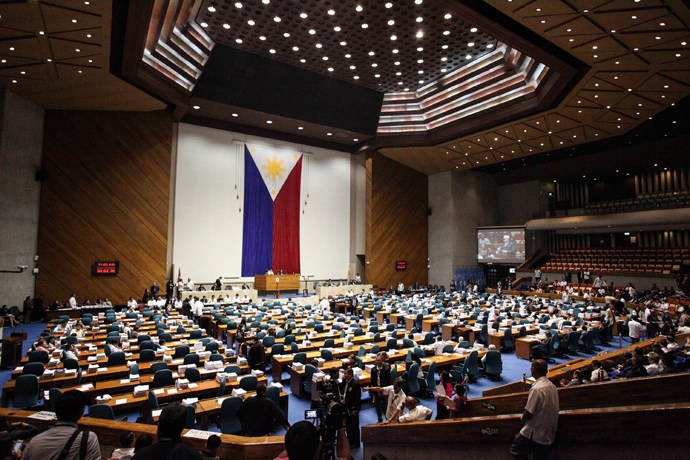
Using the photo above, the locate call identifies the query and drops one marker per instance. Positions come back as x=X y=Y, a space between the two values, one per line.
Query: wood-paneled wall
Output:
x=397 y=223
x=106 y=197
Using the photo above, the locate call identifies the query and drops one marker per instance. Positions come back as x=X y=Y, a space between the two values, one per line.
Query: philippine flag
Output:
x=272 y=190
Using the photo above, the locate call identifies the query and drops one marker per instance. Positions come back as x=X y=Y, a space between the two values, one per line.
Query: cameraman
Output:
x=352 y=400
x=302 y=442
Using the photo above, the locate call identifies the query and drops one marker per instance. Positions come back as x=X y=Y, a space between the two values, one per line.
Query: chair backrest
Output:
x=289 y=339
x=464 y=344
x=117 y=358
x=523 y=331
x=142 y=338
x=192 y=374
x=473 y=363
x=147 y=345
x=362 y=351
x=431 y=376
x=273 y=394
x=102 y=411
x=326 y=354
x=191 y=358
x=300 y=357
x=26 y=391
x=233 y=369
x=230 y=423
x=493 y=364
x=268 y=341
x=70 y=363
x=212 y=346
x=248 y=383
x=419 y=352
x=221 y=387
x=448 y=349
x=392 y=344
x=153 y=400
x=39 y=356
x=54 y=395
x=309 y=371
x=181 y=351
x=190 y=417
x=162 y=378
x=147 y=356
x=412 y=382
x=34 y=369
x=329 y=343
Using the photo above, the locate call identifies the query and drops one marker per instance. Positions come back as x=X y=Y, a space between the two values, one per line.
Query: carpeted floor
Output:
x=513 y=370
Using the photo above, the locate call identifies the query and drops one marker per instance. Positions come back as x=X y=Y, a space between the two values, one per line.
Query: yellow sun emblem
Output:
x=274 y=168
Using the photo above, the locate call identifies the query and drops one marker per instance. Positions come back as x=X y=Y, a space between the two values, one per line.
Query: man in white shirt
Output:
x=197 y=309
x=325 y=305
x=540 y=416
x=437 y=347
x=73 y=301
x=190 y=285
x=415 y=413
x=396 y=399
x=634 y=329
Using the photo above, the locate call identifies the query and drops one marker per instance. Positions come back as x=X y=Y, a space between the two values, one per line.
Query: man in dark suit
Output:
x=380 y=377
x=352 y=400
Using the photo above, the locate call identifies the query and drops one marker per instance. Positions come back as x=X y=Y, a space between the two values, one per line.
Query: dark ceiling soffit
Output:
x=277 y=135
x=255 y=82
x=128 y=37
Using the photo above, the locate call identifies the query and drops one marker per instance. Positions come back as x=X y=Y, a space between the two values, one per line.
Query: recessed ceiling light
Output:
x=265 y=2
x=43 y=33
x=444 y=59
x=419 y=34
x=336 y=28
x=269 y=122
x=286 y=35
x=295 y=48
x=419 y=19
x=312 y=32
x=394 y=37
x=444 y=47
x=447 y=16
x=444 y=70
x=235 y=115
x=196 y=107
x=365 y=25
x=359 y=8
x=355 y=140
x=272 y=51
x=377 y=75
x=395 y=51
x=262 y=37
x=238 y=40
x=77 y=50
x=300 y=127
x=331 y=12
x=470 y=44
x=418 y=2
x=446 y=32
x=325 y=58
x=303 y=15
x=352 y=67
x=74 y=21
x=330 y=69
x=276 y=19
x=468 y=56
x=211 y=9
x=238 y=5
x=329 y=134
x=203 y=24
x=348 y=56
x=374 y=64
x=343 y=43
x=319 y=45
x=226 y=26
x=398 y=73
x=371 y=53
x=251 y=22
x=396 y=63
x=356 y=77
x=389 y=5
x=420 y=49
x=14 y=81
x=490 y=45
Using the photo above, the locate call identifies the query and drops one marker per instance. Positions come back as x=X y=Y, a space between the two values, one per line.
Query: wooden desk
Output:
x=523 y=346
x=12 y=349
x=267 y=283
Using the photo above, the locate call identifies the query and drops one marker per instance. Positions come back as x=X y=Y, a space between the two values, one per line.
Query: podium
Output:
x=12 y=349
x=268 y=284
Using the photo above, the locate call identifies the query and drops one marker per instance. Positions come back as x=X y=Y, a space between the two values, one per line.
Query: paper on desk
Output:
x=43 y=415
x=120 y=401
x=198 y=434
x=102 y=369
x=156 y=412
x=124 y=381
x=172 y=391
x=158 y=391
x=193 y=385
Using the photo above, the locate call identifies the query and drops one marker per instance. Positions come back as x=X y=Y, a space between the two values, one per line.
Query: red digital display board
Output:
x=401 y=265
x=105 y=267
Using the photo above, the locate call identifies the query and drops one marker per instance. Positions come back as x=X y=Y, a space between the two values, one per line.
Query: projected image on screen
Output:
x=501 y=245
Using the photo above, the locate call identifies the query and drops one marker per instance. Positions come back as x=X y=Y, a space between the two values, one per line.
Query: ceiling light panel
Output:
x=355 y=29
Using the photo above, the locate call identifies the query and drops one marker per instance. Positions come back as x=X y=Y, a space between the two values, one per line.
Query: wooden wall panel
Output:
x=106 y=197
x=397 y=223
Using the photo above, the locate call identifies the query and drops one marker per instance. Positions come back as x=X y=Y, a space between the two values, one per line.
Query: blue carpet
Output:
x=513 y=370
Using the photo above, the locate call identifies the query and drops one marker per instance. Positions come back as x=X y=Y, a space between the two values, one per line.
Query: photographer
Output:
x=352 y=400
x=303 y=442
x=258 y=412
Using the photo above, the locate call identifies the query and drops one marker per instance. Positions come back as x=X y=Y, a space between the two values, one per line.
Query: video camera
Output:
x=331 y=414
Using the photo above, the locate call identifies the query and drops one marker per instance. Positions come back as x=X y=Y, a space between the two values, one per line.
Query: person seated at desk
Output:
x=40 y=345
x=69 y=352
x=415 y=413
x=258 y=413
x=256 y=355
x=436 y=347
x=114 y=346
x=269 y=272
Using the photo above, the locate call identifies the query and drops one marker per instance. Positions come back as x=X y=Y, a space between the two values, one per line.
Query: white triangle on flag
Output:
x=274 y=165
